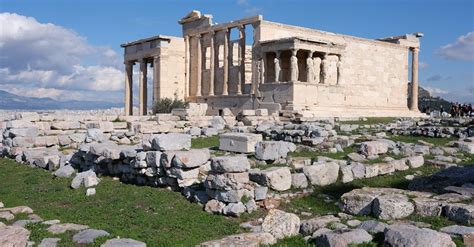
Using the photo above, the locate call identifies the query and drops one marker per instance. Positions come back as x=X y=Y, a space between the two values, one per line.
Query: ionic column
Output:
x=309 y=68
x=187 y=67
x=262 y=72
x=414 y=80
x=277 y=62
x=156 y=78
x=198 y=65
x=242 y=60
x=294 y=66
x=225 y=72
x=143 y=88
x=211 y=66
x=128 y=88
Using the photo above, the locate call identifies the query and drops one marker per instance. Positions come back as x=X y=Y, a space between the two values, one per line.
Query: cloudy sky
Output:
x=66 y=50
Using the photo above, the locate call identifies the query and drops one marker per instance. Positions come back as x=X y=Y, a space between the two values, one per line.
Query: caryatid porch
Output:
x=302 y=60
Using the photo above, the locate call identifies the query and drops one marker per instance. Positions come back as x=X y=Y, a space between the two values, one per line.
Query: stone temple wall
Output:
x=375 y=73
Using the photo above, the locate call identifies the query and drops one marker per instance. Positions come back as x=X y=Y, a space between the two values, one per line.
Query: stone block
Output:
x=276 y=178
x=24 y=132
x=392 y=206
x=247 y=113
x=273 y=150
x=65 y=125
x=189 y=159
x=239 y=142
x=322 y=174
x=370 y=148
x=281 y=224
x=171 y=141
x=227 y=181
x=261 y=112
x=226 y=164
x=299 y=181
x=15 y=124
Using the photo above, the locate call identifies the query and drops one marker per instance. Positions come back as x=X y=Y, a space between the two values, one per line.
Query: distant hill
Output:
x=425 y=100
x=11 y=101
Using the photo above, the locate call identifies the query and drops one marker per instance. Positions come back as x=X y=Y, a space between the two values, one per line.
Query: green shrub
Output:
x=165 y=105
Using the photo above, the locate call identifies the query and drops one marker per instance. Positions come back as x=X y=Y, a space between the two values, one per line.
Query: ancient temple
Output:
x=283 y=68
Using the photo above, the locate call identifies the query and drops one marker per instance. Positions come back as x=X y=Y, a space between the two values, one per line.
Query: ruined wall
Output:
x=172 y=70
x=375 y=73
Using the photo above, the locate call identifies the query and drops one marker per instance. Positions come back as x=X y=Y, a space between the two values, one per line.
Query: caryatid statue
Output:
x=339 y=70
x=317 y=69
x=309 y=68
x=277 y=67
x=294 y=66
x=324 y=68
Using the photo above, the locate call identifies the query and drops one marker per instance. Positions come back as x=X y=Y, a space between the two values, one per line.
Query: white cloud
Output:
x=461 y=49
x=435 y=91
x=54 y=61
x=461 y=96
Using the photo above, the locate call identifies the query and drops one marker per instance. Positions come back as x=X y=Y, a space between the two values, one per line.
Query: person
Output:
x=441 y=109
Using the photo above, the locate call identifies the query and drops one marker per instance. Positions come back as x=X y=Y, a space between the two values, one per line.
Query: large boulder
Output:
x=224 y=164
x=234 y=209
x=392 y=206
x=65 y=171
x=457 y=231
x=281 y=224
x=277 y=178
x=342 y=238
x=358 y=202
x=373 y=226
x=273 y=150
x=12 y=236
x=227 y=181
x=87 y=178
x=371 y=148
x=239 y=142
x=171 y=141
x=412 y=236
x=427 y=206
x=308 y=227
x=190 y=159
x=459 y=212
x=322 y=173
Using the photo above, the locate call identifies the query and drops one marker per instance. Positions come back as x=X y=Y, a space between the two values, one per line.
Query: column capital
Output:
x=293 y=52
x=415 y=49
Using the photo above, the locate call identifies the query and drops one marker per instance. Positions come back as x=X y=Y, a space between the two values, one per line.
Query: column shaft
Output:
x=198 y=65
x=128 y=88
x=143 y=88
x=187 y=67
x=156 y=79
x=414 y=80
x=211 y=66
x=225 y=67
x=241 y=83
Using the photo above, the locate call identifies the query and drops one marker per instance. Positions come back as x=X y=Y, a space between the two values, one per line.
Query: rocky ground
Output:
x=398 y=182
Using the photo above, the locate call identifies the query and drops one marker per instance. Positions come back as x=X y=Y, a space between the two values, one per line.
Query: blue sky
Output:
x=99 y=27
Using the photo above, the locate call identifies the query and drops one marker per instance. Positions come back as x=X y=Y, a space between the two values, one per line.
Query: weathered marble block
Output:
x=239 y=142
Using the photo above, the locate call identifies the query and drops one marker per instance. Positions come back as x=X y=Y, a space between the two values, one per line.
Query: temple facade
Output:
x=283 y=68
